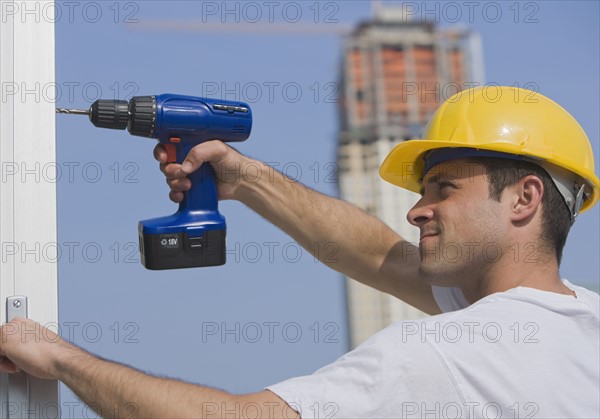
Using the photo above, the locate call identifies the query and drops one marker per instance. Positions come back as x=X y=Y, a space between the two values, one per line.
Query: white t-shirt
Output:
x=522 y=353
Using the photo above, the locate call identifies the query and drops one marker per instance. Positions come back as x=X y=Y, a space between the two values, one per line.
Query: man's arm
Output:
x=115 y=390
x=339 y=234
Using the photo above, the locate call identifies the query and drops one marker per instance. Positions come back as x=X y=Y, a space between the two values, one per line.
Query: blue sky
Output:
x=272 y=312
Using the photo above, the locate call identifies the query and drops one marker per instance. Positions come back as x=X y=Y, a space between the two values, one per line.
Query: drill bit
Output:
x=103 y=113
x=73 y=111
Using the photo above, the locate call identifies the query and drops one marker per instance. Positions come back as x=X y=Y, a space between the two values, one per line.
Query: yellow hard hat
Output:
x=506 y=121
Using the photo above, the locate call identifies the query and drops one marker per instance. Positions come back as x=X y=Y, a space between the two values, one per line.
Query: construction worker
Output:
x=502 y=177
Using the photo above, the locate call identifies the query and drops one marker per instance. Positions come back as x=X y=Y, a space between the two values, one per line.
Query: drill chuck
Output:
x=138 y=115
x=113 y=114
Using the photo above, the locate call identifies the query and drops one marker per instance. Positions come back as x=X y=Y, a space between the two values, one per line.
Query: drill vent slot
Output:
x=239 y=129
x=230 y=108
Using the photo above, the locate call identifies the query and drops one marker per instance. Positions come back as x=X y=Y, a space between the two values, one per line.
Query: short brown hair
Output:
x=556 y=218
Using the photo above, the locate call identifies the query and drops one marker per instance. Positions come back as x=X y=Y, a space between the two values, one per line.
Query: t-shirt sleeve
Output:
x=384 y=378
x=449 y=298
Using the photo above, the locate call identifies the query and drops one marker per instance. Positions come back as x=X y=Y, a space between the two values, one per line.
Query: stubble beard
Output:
x=440 y=265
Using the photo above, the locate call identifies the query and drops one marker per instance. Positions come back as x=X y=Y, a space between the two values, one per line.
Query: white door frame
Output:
x=28 y=185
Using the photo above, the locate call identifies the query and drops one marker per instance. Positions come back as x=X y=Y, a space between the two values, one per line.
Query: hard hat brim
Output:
x=404 y=165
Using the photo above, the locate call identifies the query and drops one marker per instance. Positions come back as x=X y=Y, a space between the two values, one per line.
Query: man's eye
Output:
x=445 y=184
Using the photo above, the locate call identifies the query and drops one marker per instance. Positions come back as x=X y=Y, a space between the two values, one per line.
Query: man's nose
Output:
x=420 y=214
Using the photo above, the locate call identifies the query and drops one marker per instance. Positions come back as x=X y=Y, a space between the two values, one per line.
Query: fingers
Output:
x=176 y=178
x=210 y=151
x=176 y=196
x=176 y=174
x=160 y=153
x=179 y=185
x=172 y=170
x=177 y=181
x=6 y=365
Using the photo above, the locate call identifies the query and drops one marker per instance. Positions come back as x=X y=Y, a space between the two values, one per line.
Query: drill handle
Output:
x=202 y=196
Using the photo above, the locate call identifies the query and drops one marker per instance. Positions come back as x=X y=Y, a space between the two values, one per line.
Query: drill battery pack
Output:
x=180 y=250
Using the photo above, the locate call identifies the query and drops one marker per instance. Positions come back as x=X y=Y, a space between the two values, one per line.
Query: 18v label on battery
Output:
x=169 y=241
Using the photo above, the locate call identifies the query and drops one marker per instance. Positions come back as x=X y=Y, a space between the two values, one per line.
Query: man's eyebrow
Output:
x=436 y=179
x=440 y=177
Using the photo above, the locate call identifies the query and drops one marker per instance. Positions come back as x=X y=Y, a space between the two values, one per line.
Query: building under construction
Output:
x=394 y=74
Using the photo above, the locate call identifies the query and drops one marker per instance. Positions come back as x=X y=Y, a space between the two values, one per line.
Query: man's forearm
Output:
x=340 y=235
x=325 y=226
x=115 y=390
x=118 y=391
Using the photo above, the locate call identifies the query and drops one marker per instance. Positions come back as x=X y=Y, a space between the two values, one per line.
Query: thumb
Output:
x=209 y=151
x=194 y=159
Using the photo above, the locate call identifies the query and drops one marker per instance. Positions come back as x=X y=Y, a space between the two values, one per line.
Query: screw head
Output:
x=16 y=303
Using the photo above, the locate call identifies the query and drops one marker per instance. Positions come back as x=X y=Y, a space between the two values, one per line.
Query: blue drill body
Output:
x=195 y=235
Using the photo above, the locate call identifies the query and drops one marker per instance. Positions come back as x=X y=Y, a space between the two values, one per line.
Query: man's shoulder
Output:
x=585 y=295
x=523 y=298
x=519 y=315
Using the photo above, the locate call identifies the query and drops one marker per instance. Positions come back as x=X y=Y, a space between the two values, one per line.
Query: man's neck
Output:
x=507 y=274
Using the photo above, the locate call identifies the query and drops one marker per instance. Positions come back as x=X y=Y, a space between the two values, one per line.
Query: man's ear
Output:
x=526 y=197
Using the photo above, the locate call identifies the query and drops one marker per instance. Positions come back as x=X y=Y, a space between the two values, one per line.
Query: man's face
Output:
x=461 y=226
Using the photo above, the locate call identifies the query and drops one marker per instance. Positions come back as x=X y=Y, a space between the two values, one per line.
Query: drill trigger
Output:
x=171 y=153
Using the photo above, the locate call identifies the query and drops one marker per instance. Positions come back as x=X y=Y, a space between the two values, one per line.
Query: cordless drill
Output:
x=195 y=235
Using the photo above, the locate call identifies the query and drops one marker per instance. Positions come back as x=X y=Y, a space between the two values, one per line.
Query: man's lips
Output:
x=427 y=235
